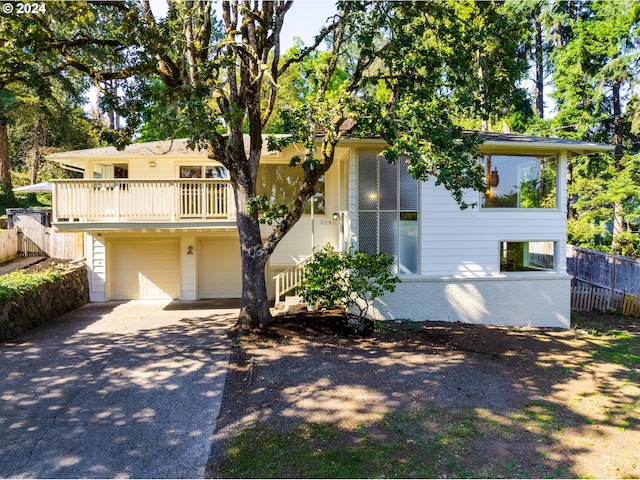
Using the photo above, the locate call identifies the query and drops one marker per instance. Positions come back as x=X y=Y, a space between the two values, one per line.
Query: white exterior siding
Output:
x=296 y=245
x=466 y=242
x=460 y=278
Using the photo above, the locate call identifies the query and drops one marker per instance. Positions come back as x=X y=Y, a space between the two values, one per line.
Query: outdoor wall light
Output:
x=190 y=250
x=335 y=215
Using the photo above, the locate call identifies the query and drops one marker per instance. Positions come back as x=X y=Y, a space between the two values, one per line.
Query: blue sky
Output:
x=304 y=19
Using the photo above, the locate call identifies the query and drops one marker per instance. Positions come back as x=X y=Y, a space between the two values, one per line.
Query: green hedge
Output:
x=18 y=283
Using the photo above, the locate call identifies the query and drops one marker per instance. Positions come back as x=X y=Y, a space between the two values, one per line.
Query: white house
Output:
x=159 y=221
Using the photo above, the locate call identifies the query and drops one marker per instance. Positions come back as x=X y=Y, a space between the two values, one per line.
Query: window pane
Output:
x=526 y=256
x=520 y=182
x=408 y=261
x=120 y=171
x=368 y=232
x=368 y=181
x=218 y=171
x=281 y=183
x=389 y=233
x=388 y=204
x=408 y=188
x=190 y=171
x=388 y=185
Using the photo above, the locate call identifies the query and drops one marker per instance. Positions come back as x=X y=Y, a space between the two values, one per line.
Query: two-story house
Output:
x=159 y=221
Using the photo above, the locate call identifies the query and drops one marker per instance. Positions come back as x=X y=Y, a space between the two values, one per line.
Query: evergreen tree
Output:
x=595 y=63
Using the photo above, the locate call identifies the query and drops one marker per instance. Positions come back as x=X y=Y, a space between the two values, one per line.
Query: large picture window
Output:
x=388 y=211
x=515 y=181
x=281 y=184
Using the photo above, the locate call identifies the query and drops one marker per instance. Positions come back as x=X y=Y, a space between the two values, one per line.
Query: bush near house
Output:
x=349 y=279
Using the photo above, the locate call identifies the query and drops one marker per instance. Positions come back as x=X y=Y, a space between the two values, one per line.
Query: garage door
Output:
x=219 y=268
x=145 y=269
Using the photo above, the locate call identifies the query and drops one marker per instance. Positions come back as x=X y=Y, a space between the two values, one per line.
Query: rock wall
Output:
x=49 y=301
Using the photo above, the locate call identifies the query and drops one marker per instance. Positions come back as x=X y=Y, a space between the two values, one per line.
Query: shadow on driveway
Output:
x=115 y=390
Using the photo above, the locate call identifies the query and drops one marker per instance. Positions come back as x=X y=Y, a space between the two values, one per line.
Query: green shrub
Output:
x=347 y=279
x=18 y=283
x=629 y=244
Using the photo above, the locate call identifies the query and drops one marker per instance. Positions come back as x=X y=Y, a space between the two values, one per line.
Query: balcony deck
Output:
x=94 y=203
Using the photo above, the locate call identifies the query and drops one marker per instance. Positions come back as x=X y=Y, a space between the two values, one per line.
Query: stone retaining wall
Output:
x=49 y=301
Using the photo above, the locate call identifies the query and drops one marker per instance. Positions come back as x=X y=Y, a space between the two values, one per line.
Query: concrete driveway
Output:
x=115 y=390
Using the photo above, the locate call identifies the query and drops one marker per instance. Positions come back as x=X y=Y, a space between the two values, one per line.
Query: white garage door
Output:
x=219 y=268
x=145 y=269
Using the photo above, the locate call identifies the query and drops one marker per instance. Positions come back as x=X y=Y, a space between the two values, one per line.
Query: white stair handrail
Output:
x=290 y=278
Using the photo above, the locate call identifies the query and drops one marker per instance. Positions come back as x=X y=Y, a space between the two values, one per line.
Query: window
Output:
x=108 y=170
x=121 y=171
x=204 y=171
x=281 y=184
x=527 y=256
x=388 y=211
x=520 y=182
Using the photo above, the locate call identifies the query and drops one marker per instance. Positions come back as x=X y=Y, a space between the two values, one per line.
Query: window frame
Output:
x=320 y=197
x=527 y=269
x=203 y=172
x=541 y=157
x=399 y=211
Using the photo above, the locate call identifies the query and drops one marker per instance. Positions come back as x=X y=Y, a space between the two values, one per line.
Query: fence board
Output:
x=8 y=244
x=614 y=272
x=587 y=299
x=631 y=305
x=38 y=240
x=581 y=298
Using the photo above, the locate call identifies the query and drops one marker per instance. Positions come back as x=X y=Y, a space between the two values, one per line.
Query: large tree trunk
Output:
x=254 y=311
x=5 y=161
x=570 y=210
x=35 y=152
x=618 y=219
x=539 y=81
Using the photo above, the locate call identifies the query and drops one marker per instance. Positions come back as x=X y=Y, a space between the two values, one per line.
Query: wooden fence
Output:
x=34 y=238
x=8 y=244
x=603 y=281
x=588 y=299
x=604 y=270
x=40 y=240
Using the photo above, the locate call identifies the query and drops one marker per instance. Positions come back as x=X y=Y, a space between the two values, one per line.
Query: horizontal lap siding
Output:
x=296 y=245
x=466 y=242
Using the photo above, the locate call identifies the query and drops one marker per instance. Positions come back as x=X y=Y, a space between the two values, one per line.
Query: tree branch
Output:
x=273 y=41
x=299 y=58
x=338 y=40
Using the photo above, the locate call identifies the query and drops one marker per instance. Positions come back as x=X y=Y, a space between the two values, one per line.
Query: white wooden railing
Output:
x=290 y=279
x=122 y=200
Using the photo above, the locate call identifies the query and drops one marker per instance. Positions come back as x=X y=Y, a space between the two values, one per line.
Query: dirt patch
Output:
x=45 y=264
x=549 y=403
